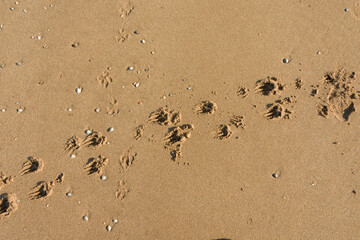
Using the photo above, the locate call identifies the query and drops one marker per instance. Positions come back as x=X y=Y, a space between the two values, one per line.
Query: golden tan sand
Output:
x=179 y=119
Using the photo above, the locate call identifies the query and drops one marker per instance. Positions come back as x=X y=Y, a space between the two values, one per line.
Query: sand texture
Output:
x=179 y=119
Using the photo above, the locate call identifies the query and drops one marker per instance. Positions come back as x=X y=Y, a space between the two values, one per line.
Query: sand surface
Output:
x=179 y=119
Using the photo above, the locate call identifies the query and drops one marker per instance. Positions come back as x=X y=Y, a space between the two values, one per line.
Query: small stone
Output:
x=189 y=88
x=85 y=218
x=136 y=32
x=108 y=228
x=78 y=90
x=18 y=63
x=24 y=10
x=97 y=110
x=275 y=175
x=163 y=97
x=69 y=109
x=87 y=132
x=115 y=220
x=38 y=37
x=285 y=60
x=3 y=110
x=346 y=9
x=72 y=156
x=47 y=205
x=130 y=68
x=11 y=9
x=152 y=53
x=142 y=41
x=136 y=84
x=68 y=194
x=20 y=110
x=318 y=53
x=110 y=129
x=103 y=178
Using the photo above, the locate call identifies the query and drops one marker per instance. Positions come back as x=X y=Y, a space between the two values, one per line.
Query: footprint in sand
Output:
x=8 y=204
x=139 y=132
x=44 y=189
x=94 y=140
x=237 y=121
x=127 y=159
x=175 y=139
x=104 y=79
x=280 y=109
x=165 y=117
x=122 y=35
x=32 y=165
x=223 y=131
x=122 y=190
x=96 y=165
x=269 y=86
x=113 y=108
x=337 y=95
x=126 y=9
x=4 y=179
x=243 y=92
x=206 y=108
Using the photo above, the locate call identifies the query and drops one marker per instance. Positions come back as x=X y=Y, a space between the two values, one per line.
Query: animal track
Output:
x=96 y=165
x=223 y=131
x=94 y=140
x=165 y=117
x=32 y=165
x=113 y=108
x=138 y=132
x=237 y=121
x=243 y=92
x=338 y=95
x=323 y=110
x=175 y=138
x=8 y=204
x=298 y=83
x=104 y=79
x=127 y=158
x=206 y=107
x=122 y=190
x=122 y=35
x=269 y=86
x=44 y=189
x=126 y=9
x=72 y=144
x=278 y=109
x=4 y=180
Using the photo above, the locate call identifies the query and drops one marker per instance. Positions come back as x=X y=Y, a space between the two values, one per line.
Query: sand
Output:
x=179 y=119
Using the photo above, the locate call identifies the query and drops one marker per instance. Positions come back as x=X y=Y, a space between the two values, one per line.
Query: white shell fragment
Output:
x=108 y=228
x=85 y=218
x=68 y=194
x=78 y=90
x=103 y=178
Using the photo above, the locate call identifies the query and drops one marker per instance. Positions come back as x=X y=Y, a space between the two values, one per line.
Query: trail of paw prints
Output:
x=94 y=140
x=336 y=95
x=44 y=189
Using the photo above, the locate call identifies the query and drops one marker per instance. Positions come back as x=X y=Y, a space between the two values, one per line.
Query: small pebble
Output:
x=189 y=88
x=115 y=220
x=136 y=32
x=24 y=10
x=103 y=178
x=69 y=109
x=318 y=53
x=164 y=97
x=38 y=37
x=108 y=228
x=130 y=68
x=3 y=110
x=142 y=41
x=20 y=110
x=18 y=64
x=78 y=90
x=275 y=175
x=72 y=156
x=47 y=205
x=110 y=129
x=11 y=9
x=152 y=53
x=85 y=218
x=285 y=60
x=97 y=110
x=136 y=84
x=346 y=9
x=87 y=132
x=68 y=194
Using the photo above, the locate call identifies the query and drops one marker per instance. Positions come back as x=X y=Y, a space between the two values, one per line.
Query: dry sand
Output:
x=179 y=119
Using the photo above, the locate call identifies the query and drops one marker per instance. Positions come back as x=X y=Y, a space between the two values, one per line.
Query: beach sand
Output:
x=179 y=119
